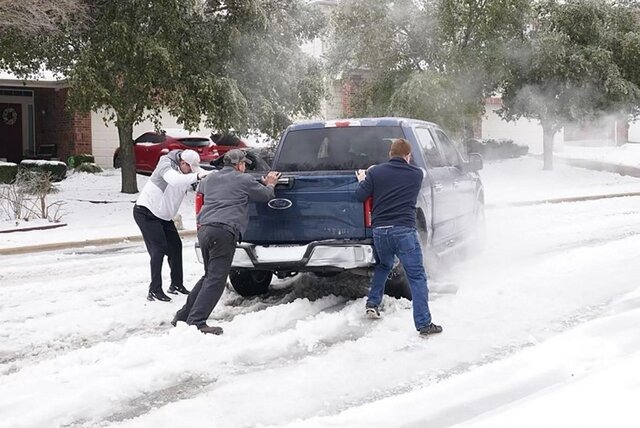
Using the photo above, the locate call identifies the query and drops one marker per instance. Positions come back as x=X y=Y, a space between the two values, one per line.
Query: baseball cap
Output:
x=234 y=156
x=192 y=158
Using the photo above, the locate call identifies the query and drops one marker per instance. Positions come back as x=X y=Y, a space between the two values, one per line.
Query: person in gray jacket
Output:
x=154 y=211
x=223 y=219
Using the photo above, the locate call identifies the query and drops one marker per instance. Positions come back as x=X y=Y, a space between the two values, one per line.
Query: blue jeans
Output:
x=404 y=243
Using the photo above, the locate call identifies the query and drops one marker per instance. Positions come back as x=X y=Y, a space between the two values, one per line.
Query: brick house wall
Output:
x=70 y=132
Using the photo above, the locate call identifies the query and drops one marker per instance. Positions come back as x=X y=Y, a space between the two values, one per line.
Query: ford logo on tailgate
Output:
x=280 y=204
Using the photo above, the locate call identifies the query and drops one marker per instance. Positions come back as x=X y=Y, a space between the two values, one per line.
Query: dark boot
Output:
x=175 y=289
x=430 y=329
x=210 y=329
x=158 y=295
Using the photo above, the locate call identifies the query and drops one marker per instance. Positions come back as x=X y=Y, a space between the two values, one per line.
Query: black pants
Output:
x=161 y=239
x=218 y=246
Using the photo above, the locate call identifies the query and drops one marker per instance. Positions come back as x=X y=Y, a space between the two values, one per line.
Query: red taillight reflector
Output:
x=199 y=202
x=368 y=208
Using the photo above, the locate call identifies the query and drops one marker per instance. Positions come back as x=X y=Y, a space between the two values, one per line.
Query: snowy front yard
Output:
x=540 y=329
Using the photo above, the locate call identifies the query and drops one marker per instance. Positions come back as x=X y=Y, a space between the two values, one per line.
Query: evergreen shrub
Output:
x=58 y=169
x=76 y=160
x=89 y=167
x=8 y=172
x=492 y=149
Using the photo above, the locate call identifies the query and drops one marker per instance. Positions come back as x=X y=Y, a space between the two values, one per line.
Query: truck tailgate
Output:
x=310 y=207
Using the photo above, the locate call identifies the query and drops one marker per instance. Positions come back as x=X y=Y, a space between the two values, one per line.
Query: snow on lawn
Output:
x=523 y=180
x=626 y=154
x=94 y=208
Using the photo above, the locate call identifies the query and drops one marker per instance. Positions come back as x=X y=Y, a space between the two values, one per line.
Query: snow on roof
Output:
x=42 y=75
x=42 y=79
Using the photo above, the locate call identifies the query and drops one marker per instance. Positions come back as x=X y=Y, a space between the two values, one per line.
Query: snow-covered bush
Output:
x=491 y=149
x=75 y=161
x=8 y=172
x=88 y=167
x=57 y=169
x=26 y=197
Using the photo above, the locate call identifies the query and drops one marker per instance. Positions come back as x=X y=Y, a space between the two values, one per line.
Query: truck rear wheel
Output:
x=250 y=283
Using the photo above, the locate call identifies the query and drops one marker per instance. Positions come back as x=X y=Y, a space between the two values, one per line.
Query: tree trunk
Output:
x=127 y=159
x=548 y=131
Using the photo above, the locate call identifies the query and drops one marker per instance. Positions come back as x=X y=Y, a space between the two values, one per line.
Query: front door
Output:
x=11 y=132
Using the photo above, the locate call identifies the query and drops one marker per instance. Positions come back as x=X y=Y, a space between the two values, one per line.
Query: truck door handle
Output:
x=437 y=186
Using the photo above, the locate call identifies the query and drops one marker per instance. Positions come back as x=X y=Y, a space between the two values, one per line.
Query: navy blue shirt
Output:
x=394 y=186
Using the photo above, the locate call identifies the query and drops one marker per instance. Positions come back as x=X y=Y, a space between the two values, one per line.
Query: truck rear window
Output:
x=336 y=149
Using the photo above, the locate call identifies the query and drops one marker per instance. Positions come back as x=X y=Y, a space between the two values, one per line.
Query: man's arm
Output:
x=264 y=192
x=174 y=178
x=365 y=185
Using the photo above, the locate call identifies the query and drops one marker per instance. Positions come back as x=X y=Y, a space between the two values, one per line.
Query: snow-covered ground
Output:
x=627 y=154
x=540 y=329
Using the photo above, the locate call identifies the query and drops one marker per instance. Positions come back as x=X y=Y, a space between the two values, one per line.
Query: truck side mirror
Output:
x=474 y=164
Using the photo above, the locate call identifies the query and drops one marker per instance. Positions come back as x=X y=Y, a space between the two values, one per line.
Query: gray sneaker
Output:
x=372 y=311
x=430 y=329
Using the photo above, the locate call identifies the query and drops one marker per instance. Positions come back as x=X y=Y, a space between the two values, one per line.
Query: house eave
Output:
x=18 y=83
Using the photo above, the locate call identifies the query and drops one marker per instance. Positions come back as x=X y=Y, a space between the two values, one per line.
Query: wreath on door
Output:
x=9 y=116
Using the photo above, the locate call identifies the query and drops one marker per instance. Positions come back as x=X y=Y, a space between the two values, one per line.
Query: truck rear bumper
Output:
x=315 y=256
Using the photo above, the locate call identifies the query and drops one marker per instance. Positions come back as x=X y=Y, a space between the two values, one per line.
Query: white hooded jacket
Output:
x=166 y=188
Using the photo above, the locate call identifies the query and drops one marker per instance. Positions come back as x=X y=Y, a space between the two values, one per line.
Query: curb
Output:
x=80 y=244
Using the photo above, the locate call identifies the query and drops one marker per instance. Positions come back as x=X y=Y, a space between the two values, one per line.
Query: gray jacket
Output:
x=226 y=198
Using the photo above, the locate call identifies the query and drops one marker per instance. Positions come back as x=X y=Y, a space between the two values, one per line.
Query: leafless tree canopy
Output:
x=38 y=16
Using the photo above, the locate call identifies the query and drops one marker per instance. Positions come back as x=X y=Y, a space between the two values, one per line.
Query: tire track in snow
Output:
x=238 y=357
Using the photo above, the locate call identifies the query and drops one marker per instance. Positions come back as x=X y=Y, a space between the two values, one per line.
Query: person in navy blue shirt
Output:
x=394 y=186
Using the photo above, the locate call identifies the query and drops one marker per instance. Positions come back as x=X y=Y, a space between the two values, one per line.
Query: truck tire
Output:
x=397 y=284
x=248 y=283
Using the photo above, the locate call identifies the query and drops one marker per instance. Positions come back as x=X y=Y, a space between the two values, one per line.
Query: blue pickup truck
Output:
x=315 y=224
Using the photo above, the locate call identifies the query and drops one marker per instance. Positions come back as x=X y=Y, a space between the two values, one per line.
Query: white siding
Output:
x=634 y=132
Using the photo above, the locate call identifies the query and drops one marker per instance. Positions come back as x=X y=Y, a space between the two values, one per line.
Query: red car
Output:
x=149 y=146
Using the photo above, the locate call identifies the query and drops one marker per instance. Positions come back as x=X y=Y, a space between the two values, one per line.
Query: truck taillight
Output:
x=199 y=202
x=368 y=207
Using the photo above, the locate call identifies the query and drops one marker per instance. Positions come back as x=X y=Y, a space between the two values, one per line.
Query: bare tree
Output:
x=39 y=16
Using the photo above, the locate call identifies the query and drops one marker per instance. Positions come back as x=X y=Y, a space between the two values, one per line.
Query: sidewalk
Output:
x=80 y=244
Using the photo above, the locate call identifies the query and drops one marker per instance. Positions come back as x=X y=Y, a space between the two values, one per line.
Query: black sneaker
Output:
x=175 y=289
x=372 y=311
x=430 y=329
x=158 y=295
x=210 y=329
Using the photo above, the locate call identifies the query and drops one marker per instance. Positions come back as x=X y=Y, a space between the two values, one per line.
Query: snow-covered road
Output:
x=80 y=346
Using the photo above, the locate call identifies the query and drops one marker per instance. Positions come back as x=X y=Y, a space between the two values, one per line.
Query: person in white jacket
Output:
x=154 y=211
